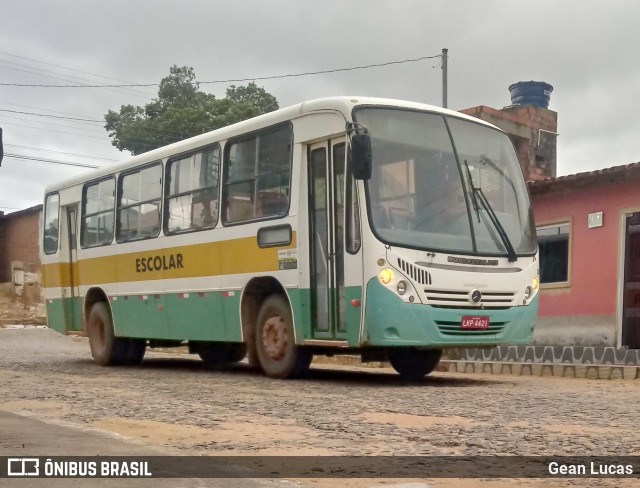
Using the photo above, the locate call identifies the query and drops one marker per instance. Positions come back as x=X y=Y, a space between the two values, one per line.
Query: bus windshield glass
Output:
x=442 y=183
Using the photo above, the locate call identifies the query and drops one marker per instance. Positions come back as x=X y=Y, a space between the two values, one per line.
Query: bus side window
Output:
x=257 y=175
x=98 y=213
x=270 y=203
x=139 y=194
x=239 y=208
x=51 y=227
x=192 y=191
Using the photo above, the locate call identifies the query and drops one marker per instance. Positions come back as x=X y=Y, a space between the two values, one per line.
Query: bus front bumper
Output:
x=389 y=321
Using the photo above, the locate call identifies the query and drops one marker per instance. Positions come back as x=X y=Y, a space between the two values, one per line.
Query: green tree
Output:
x=181 y=110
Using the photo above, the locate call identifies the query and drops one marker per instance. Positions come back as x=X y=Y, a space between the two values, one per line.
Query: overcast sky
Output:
x=588 y=51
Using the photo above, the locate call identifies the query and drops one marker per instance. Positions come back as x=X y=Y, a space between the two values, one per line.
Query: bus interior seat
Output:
x=272 y=203
x=240 y=208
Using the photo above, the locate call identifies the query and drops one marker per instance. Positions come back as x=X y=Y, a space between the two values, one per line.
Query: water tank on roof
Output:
x=536 y=93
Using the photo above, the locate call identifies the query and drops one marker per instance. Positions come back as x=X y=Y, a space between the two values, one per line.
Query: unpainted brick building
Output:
x=533 y=131
x=19 y=245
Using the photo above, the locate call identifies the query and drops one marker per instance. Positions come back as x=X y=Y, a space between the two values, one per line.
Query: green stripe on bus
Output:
x=392 y=322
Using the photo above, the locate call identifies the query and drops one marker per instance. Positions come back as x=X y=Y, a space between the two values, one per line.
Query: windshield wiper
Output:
x=478 y=196
x=476 y=207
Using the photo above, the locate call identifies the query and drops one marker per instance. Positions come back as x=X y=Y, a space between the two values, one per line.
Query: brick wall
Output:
x=19 y=241
x=532 y=130
x=5 y=263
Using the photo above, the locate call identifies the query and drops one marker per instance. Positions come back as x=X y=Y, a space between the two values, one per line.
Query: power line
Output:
x=57 y=131
x=51 y=116
x=63 y=67
x=60 y=152
x=167 y=132
x=130 y=92
x=65 y=78
x=40 y=108
x=149 y=143
x=51 y=124
x=236 y=80
x=50 y=161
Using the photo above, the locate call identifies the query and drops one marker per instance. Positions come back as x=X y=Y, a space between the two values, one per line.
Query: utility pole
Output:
x=444 y=77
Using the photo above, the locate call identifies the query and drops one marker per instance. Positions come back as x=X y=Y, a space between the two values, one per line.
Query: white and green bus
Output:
x=382 y=228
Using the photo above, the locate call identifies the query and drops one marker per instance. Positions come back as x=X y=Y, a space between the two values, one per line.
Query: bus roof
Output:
x=342 y=104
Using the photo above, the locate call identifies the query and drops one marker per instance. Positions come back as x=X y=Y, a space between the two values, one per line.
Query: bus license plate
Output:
x=474 y=322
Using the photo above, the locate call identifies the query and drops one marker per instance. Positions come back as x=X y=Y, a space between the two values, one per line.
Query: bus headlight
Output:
x=386 y=276
x=528 y=291
x=402 y=287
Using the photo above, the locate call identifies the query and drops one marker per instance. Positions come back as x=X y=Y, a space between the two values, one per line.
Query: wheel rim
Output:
x=274 y=337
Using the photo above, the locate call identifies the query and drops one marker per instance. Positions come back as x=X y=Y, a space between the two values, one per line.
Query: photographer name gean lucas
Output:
x=593 y=468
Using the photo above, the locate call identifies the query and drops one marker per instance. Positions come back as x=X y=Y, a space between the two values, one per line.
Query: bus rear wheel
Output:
x=106 y=348
x=414 y=364
x=278 y=354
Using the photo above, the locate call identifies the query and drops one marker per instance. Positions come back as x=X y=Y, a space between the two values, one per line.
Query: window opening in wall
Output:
x=553 y=242
x=631 y=297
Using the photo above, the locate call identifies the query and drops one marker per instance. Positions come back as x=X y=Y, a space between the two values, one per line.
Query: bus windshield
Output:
x=441 y=183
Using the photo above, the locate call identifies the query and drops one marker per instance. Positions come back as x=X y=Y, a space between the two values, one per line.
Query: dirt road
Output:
x=172 y=401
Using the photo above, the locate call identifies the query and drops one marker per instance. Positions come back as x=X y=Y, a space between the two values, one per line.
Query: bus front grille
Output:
x=460 y=299
x=453 y=329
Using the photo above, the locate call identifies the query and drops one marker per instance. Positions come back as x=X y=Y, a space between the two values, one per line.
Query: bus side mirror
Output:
x=360 y=156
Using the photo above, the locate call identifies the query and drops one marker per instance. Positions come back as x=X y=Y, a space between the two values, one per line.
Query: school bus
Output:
x=350 y=225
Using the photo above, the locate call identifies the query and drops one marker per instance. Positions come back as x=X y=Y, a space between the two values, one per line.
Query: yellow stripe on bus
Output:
x=194 y=261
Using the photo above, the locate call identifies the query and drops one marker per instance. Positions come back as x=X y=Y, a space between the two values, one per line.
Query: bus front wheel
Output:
x=414 y=364
x=106 y=348
x=277 y=352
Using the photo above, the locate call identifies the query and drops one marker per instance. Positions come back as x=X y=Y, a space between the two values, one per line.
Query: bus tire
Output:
x=278 y=354
x=106 y=348
x=222 y=354
x=414 y=364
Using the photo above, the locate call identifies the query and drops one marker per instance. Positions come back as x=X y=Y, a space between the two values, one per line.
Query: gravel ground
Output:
x=173 y=400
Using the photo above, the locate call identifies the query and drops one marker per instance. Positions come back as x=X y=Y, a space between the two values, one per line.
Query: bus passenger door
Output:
x=71 y=288
x=332 y=268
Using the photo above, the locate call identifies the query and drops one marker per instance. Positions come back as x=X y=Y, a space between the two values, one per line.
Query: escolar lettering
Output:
x=159 y=263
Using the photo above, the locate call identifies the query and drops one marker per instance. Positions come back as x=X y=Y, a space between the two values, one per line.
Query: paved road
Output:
x=172 y=402
x=25 y=436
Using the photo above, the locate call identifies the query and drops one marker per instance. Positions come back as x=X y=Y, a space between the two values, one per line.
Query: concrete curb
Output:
x=13 y=322
x=565 y=370
x=578 y=371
